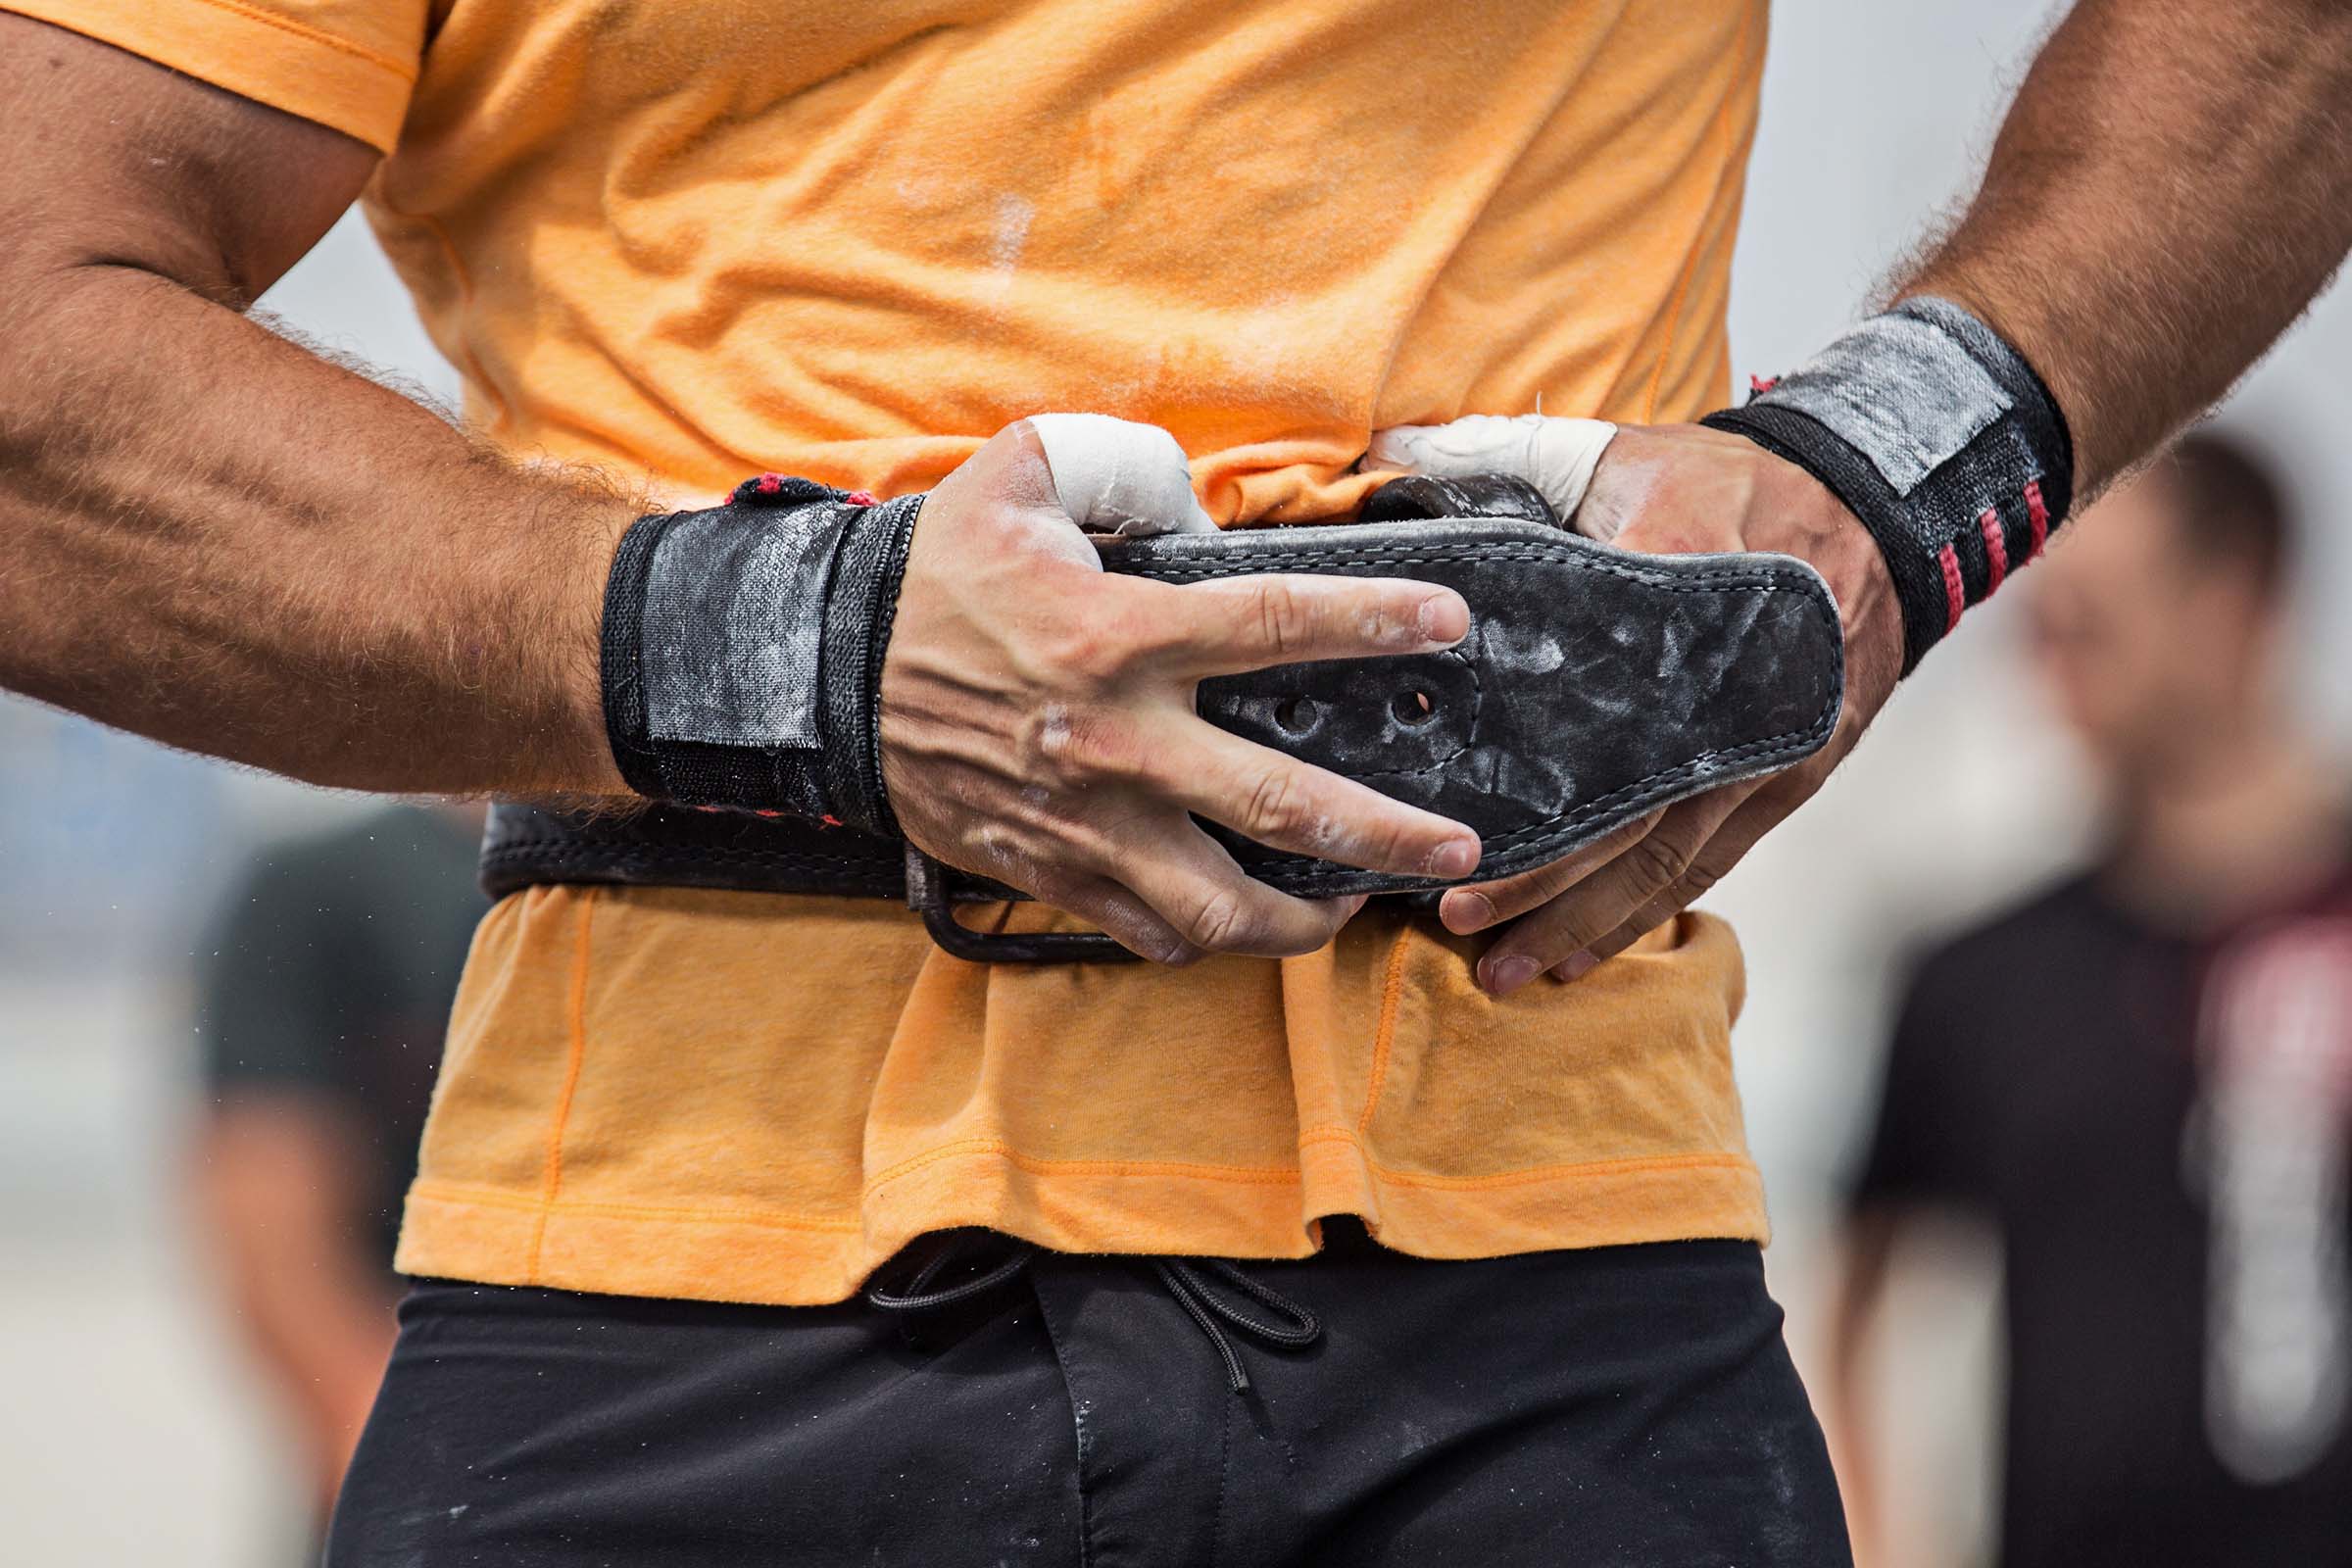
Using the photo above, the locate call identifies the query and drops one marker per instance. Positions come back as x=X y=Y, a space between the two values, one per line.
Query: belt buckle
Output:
x=927 y=895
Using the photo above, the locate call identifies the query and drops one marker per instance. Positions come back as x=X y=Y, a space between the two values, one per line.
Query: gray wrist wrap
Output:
x=742 y=656
x=1940 y=438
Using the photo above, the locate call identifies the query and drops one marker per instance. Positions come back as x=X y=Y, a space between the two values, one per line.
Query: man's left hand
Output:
x=1681 y=490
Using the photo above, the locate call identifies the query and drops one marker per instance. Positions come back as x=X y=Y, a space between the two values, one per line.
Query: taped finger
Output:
x=1556 y=455
x=1120 y=476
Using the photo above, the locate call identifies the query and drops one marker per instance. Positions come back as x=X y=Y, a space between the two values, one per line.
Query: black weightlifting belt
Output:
x=1595 y=686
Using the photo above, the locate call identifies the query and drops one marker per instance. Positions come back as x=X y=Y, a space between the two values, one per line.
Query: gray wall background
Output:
x=131 y=1431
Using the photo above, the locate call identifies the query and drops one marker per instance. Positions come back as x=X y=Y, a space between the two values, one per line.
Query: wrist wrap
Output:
x=1939 y=437
x=742 y=655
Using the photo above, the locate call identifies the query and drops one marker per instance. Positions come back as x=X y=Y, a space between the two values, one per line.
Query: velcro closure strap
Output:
x=743 y=645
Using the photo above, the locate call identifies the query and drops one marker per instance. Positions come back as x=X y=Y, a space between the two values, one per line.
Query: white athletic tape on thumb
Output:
x=1555 y=456
x=1119 y=476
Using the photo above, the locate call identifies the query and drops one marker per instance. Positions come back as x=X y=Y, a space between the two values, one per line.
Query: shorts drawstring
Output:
x=914 y=1298
x=1187 y=1282
x=1191 y=1281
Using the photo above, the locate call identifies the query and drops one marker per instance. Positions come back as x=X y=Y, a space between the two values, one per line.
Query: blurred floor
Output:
x=134 y=1431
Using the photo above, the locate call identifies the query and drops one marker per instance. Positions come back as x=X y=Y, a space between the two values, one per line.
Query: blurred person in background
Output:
x=2142 y=1078
x=323 y=992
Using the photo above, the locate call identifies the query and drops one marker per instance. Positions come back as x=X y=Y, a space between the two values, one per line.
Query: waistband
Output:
x=665 y=845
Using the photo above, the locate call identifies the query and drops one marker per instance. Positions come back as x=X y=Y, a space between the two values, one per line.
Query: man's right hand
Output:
x=1038 y=723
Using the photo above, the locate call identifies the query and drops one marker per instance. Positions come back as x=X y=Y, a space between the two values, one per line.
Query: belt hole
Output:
x=1293 y=716
x=1413 y=709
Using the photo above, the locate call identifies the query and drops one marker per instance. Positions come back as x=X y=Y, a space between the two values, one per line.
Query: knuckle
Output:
x=994 y=849
x=1393 y=844
x=1218 y=925
x=1274 y=805
x=1281 y=617
x=1547 y=882
x=1081 y=744
x=1659 y=860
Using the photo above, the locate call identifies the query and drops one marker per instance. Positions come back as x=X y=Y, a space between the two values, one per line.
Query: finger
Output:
x=1049 y=875
x=1119 y=476
x=1463 y=911
x=1157 y=754
x=1604 y=900
x=1232 y=624
x=1125 y=918
x=1285 y=803
x=1556 y=455
x=1738 y=834
x=1186 y=880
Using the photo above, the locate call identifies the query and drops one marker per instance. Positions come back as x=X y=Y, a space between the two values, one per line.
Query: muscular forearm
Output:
x=2172 y=187
x=222 y=541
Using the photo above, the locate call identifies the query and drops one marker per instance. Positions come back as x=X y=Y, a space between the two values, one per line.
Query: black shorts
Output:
x=1626 y=1405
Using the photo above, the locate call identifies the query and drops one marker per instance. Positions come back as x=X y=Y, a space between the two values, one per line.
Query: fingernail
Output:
x=1466 y=913
x=1455 y=858
x=1506 y=975
x=1576 y=965
x=1443 y=618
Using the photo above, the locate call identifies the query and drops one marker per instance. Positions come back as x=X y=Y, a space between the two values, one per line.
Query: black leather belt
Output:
x=669 y=847
x=1595 y=686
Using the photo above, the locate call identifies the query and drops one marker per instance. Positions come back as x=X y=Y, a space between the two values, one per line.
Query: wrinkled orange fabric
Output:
x=691 y=241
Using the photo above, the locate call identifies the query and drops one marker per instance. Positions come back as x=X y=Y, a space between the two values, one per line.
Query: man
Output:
x=2140 y=1078
x=323 y=990
x=701 y=1059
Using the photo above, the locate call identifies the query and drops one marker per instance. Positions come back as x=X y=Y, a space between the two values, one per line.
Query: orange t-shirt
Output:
x=850 y=242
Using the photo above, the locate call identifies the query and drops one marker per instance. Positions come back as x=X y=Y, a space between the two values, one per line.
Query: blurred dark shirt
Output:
x=330 y=970
x=2156 y=1127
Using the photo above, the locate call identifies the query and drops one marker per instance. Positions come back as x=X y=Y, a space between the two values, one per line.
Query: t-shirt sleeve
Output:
x=268 y=987
x=346 y=63
x=1920 y=1140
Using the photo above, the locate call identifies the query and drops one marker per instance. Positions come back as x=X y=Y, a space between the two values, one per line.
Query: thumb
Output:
x=1119 y=476
x=1555 y=456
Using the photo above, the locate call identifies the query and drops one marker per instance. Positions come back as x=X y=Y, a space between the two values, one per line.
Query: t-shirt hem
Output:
x=497 y=1236
x=253 y=53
